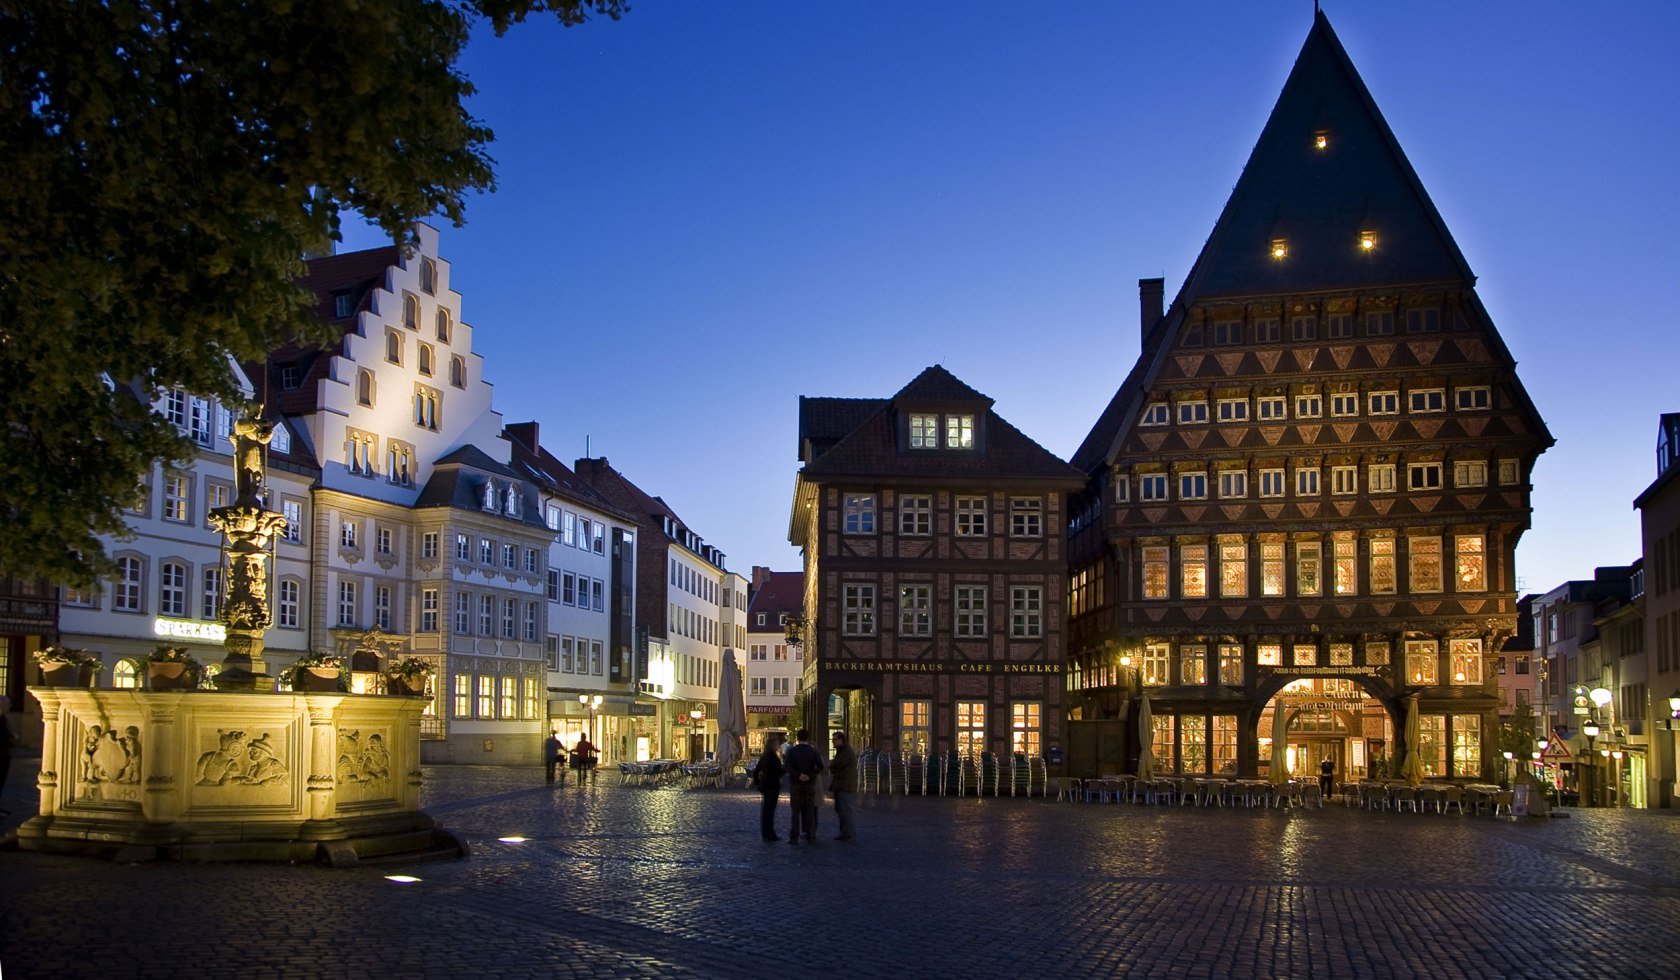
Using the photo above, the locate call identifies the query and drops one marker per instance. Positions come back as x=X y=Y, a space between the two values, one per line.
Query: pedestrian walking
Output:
x=1326 y=776
x=768 y=778
x=554 y=756
x=804 y=766
x=843 y=779
x=583 y=757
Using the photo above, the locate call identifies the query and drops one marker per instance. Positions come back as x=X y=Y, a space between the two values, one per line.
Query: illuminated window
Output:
x=1425 y=564
x=1466 y=745
x=913 y=727
x=971 y=729
x=1345 y=554
x=1470 y=571
x=1192 y=736
x=1192 y=560
x=1379 y=478
x=1470 y=473
x=1155 y=664
x=1308 y=557
x=1367 y=241
x=1233 y=567
x=125 y=675
x=1224 y=745
x=959 y=432
x=1280 y=248
x=1422 y=662
x=1377 y=652
x=486 y=696
x=1026 y=726
x=462 y=706
x=1269 y=654
x=1383 y=578
x=172 y=589
x=1230 y=664
x=1341 y=654
x=1192 y=664
x=1304 y=655
x=1155 y=572
x=1466 y=661
x=1271 y=568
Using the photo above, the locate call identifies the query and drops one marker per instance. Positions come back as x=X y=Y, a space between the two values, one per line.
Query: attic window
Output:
x=1280 y=248
x=1367 y=241
x=1321 y=139
x=959 y=432
x=344 y=304
x=489 y=494
x=289 y=377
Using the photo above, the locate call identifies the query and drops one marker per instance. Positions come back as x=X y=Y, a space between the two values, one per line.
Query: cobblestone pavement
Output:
x=629 y=881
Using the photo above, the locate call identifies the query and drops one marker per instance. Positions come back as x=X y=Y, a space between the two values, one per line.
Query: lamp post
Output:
x=1590 y=730
x=1616 y=778
x=698 y=717
x=1509 y=765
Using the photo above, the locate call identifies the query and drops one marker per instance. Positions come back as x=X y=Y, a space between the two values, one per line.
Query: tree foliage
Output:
x=168 y=165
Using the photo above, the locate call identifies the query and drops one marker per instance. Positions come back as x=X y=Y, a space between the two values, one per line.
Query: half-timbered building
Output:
x=933 y=536
x=1305 y=499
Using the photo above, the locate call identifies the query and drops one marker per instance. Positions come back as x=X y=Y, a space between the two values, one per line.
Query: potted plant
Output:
x=316 y=673
x=172 y=669
x=407 y=676
x=67 y=667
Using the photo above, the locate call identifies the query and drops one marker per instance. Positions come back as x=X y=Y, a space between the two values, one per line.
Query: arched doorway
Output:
x=1320 y=718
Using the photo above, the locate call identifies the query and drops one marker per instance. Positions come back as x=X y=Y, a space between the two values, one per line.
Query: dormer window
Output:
x=489 y=494
x=511 y=502
x=959 y=432
x=344 y=304
x=924 y=431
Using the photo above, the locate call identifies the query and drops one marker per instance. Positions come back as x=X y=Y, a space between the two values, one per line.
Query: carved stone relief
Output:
x=236 y=759
x=108 y=767
x=363 y=761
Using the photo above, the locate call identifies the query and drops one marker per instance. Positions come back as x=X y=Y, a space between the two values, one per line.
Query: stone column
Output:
x=160 y=800
x=320 y=710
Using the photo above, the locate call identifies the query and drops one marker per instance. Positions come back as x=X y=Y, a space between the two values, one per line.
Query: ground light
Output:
x=515 y=839
x=402 y=879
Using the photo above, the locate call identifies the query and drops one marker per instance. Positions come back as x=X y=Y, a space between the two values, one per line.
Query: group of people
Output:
x=554 y=756
x=803 y=767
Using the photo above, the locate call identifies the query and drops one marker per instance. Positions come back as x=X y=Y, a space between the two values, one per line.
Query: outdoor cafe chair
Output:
x=1502 y=801
x=1350 y=794
x=1096 y=791
x=1405 y=798
x=1452 y=796
x=1373 y=796
x=1312 y=795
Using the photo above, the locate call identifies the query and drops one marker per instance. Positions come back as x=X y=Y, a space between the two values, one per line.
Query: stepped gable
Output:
x=871 y=447
x=359 y=272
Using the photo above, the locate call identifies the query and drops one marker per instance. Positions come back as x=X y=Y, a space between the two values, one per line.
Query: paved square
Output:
x=617 y=881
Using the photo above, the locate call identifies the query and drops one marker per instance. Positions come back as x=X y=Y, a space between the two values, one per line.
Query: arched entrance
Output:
x=1313 y=719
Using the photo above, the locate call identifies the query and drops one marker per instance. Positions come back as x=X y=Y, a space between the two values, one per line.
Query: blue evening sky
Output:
x=706 y=210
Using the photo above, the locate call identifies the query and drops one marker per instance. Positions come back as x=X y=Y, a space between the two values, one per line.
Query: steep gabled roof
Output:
x=824 y=421
x=1320 y=200
x=457 y=481
x=871 y=447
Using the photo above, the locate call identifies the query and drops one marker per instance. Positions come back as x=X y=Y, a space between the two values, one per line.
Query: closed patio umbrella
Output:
x=732 y=712
x=1280 y=745
x=1146 y=740
x=1411 y=767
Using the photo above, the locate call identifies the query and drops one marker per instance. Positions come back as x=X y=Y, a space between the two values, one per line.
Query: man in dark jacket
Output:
x=804 y=766
x=767 y=776
x=554 y=756
x=842 y=768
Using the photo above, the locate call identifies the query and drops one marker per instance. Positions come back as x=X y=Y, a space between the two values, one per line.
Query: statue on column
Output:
x=249 y=528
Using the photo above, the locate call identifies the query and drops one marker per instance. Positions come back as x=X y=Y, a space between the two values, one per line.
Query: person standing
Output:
x=768 y=778
x=804 y=766
x=1326 y=776
x=553 y=756
x=842 y=771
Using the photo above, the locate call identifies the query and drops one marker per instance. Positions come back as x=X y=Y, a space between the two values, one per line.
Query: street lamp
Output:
x=1590 y=730
x=1509 y=757
x=1673 y=707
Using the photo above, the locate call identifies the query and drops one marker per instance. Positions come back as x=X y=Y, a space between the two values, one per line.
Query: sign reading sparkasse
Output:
x=187 y=629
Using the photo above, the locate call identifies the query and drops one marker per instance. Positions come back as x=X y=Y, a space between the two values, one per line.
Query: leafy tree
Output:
x=168 y=163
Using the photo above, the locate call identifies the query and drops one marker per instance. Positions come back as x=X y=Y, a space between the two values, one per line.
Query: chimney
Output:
x=760 y=575
x=524 y=433
x=1151 y=294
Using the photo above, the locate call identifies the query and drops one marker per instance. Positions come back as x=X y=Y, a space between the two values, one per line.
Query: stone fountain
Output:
x=241 y=772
